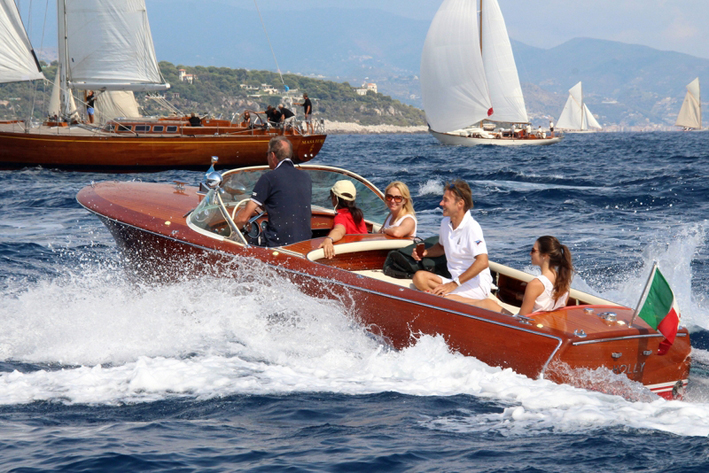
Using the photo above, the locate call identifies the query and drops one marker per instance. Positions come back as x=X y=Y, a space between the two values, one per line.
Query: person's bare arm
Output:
x=245 y=214
x=480 y=264
x=534 y=290
x=336 y=234
x=432 y=252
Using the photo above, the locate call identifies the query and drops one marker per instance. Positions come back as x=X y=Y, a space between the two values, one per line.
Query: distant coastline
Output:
x=344 y=128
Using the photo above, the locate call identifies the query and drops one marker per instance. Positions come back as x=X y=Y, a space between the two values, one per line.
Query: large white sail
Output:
x=17 y=59
x=590 y=119
x=690 y=115
x=116 y=103
x=54 y=109
x=108 y=45
x=453 y=86
x=571 y=115
x=500 y=68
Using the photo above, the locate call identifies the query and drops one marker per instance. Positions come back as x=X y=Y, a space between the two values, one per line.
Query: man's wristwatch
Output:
x=457 y=281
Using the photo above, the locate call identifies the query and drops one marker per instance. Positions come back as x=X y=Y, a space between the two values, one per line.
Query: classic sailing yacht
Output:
x=690 y=115
x=576 y=117
x=468 y=75
x=106 y=46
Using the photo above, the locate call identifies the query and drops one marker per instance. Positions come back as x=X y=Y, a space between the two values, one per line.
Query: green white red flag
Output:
x=660 y=310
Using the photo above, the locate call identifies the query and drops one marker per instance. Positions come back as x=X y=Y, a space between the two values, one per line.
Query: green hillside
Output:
x=221 y=92
x=218 y=91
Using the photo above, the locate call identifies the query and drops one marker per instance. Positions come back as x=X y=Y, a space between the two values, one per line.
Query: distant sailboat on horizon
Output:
x=690 y=115
x=576 y=117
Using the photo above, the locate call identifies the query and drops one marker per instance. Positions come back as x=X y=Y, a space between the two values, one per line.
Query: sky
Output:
x=676 y=25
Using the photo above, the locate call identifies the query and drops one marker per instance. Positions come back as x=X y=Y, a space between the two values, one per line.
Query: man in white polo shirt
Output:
x=461 y=239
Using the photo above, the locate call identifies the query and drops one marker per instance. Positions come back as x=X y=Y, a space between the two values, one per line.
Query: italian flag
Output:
x=660 y=310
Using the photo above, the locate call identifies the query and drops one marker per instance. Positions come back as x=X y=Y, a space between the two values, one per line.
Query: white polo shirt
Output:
x=462 y=245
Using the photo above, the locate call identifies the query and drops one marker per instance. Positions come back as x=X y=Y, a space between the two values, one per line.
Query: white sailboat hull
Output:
x=458 y=140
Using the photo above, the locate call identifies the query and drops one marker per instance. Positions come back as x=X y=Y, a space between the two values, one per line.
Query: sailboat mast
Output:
x=584 y=122
x=480 y=32
x=480 y=26
x=65 y=103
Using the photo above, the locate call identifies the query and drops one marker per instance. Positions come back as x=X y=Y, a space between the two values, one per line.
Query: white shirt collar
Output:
x=281 y=162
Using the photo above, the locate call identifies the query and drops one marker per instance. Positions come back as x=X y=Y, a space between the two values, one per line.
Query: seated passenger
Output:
x=401 y=221
x=349 y=218
x=550 y=290
x=461 y=241
x=246 y=122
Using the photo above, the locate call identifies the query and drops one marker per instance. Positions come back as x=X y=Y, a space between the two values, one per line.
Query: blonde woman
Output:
x=401 y=222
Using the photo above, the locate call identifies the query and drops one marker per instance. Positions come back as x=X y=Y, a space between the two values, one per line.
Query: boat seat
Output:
x=379 y=274
x=361 y=246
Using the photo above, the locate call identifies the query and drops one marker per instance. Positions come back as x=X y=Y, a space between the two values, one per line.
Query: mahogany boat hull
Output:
x=112 y=152
x=148 y=222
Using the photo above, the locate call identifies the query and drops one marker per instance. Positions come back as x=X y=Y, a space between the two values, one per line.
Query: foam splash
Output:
x=674 y=251
x=92 y=337
x=431 y=187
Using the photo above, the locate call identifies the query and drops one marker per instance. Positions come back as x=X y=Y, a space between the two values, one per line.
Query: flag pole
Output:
x=642 y=296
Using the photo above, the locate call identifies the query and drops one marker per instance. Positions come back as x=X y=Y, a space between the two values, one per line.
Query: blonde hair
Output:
x=408 y=208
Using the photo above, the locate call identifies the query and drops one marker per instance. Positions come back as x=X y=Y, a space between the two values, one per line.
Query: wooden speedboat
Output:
x=166 y=230
x=145 y=145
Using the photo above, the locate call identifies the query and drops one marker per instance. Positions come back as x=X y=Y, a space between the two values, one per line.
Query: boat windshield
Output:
x=240 y=183
x=211 y=214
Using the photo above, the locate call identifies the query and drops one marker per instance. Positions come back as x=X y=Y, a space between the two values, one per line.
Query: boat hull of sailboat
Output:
x=157 y=239
x=78 y=149
x=465 y=140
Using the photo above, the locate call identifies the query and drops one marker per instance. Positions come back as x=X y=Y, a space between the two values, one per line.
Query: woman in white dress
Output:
x=401 y=222
x=550 y=290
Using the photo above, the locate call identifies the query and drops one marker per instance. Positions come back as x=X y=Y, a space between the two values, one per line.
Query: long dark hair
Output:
x=350 y=205
x=559 y=258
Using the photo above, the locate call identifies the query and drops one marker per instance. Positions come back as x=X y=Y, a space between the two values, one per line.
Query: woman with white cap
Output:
x=349 y=218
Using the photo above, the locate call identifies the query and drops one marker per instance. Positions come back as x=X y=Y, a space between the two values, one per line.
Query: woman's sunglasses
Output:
x=396 y=198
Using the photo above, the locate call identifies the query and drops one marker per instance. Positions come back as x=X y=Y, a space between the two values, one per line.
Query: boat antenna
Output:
x=270 y=46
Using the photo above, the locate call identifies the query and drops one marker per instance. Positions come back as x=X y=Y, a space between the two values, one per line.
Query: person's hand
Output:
x=328 y=248
x=415 y=254
x=443 y=289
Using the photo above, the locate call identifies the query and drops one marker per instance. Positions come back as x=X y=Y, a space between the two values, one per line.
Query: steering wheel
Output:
x=251 y=229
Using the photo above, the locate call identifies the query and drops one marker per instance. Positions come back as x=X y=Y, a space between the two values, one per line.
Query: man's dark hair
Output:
x=282 y=147
x=461 y=189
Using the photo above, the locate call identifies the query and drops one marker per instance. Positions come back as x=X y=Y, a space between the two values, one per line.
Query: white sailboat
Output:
x=690 y=115
x=576 y=117
x=468 y=74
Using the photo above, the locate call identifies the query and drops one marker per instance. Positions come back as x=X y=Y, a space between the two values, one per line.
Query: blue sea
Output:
x=99 y=372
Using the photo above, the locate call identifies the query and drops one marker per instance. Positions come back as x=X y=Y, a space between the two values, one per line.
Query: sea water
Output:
x=99 y=372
